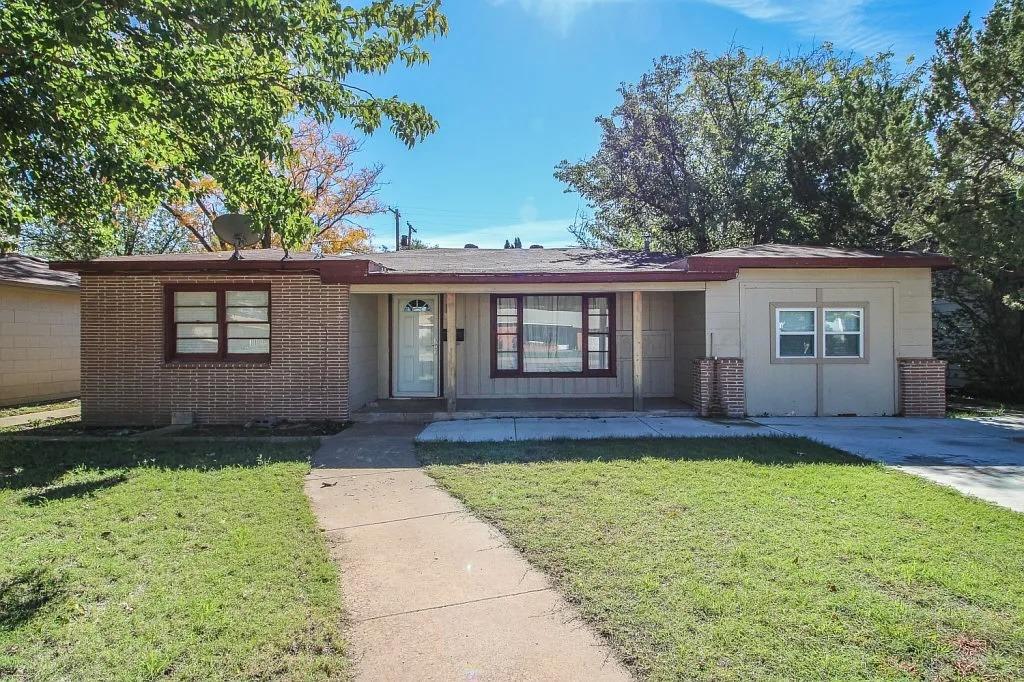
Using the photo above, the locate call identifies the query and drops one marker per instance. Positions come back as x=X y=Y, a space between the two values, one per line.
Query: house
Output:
x=38 y=331
x=779 y=330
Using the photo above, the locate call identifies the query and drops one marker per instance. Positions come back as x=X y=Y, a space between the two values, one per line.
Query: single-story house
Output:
x=764 y=330
x=38 y=331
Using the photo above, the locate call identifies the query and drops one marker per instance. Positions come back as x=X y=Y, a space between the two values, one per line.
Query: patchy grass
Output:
x=146 y=559
x=70 y=426
x=37 y=407
x=758 y=558
x=966 y=407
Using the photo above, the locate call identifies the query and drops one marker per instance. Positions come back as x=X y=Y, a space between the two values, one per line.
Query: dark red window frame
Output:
x=222 y=355
x=586 y=371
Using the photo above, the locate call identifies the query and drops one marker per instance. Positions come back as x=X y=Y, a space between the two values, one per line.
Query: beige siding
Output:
x=690 y=339
x=899 y=325
x=363 y=331
x=474 y=368
x=39 y=344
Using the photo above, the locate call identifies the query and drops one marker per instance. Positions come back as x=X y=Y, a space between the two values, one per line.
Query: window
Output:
x=218 y=322
x=553 y=335
x=795 y=332
x=417 y=306
x=844 y=332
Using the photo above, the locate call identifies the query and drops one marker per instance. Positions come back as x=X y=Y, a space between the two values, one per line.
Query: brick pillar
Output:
x=718 y=387
x=922 y=387
x=703 y=373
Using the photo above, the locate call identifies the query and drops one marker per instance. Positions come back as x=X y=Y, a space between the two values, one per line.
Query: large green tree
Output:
x=106 y=104
x=976 y=108
x=705 y=153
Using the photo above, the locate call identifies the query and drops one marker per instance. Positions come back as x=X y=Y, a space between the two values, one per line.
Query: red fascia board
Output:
x=341 y=271
x=714 y=264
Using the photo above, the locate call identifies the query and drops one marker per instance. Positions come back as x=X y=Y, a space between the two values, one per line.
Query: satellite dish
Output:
x=236 y=229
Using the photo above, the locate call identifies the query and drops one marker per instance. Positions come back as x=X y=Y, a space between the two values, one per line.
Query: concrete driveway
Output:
x=983 y=457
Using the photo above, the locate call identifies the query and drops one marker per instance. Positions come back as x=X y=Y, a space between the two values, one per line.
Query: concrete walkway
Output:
x=983 y=457
x=433 y=593
x=29 y=417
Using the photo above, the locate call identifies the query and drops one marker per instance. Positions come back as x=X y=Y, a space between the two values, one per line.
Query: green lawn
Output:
x=145 y=560
x=758 y=558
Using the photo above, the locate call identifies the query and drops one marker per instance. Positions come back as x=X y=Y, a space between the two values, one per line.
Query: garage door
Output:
x=818 y=350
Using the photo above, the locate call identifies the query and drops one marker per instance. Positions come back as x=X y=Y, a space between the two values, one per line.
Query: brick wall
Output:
x=38 y=344
x=922 y=387
x=718 y=387
x=126 y=379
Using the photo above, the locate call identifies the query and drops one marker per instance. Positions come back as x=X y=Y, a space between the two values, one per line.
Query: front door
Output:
x=416 y=346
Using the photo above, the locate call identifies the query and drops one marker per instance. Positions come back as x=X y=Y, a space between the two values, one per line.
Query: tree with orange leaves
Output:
x=322 y=170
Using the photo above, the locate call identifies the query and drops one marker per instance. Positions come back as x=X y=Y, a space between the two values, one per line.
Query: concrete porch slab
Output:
x=547 y=428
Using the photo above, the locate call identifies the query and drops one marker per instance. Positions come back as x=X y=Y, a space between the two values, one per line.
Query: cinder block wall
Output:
x=39 y=357
x=127 y=380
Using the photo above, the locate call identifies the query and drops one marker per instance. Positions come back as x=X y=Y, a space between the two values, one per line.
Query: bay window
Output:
x=553 y=335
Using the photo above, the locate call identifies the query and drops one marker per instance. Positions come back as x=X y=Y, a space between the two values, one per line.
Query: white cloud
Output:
x=548 y=233
x=843 y=22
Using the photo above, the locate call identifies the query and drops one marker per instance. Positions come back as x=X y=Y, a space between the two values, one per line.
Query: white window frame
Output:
x=825 y=332
x=779 y=333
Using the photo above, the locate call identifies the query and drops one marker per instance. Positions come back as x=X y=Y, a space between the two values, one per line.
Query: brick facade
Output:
x=922 y=387
x=718 y=387
x=127 y=380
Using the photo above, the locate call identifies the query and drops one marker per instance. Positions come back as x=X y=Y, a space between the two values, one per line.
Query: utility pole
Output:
x=398 y=228
x=408 y=239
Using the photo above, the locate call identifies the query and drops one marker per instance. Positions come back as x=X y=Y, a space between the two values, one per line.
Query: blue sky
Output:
x=516 y=84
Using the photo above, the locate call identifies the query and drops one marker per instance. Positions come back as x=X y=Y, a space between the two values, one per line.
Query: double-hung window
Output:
x=553 y=335
x=218 y=322
x=819 y=332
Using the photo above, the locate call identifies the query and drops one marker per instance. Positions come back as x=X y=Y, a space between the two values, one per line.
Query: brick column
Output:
x=922 y=387
x=718 y=387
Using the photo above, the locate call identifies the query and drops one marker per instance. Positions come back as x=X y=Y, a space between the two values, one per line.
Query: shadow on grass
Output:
x=39 y=465
x=768 y=450
x=73 y=490
x=22 y=596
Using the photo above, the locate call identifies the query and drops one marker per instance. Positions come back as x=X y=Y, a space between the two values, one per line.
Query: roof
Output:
x=29 y=271
x=796 y=256
x=515 y=265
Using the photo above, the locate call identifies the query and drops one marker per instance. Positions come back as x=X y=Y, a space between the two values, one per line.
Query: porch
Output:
x=610 y=352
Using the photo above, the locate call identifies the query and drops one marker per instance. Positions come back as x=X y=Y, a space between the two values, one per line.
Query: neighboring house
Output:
x=782 y=330
x=38 y=331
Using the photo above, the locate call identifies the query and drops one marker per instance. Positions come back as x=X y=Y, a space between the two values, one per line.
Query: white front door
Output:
x=416 y=355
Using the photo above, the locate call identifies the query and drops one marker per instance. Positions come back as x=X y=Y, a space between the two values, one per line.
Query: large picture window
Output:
x=553 y=335
x=218 y=322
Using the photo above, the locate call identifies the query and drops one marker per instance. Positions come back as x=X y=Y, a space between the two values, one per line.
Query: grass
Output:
x=69 y=426
x=144 y=560
x=758 y=558
x=37 y=407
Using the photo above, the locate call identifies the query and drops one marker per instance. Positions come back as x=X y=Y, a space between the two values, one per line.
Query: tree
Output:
x=132 y=232
x=321 y=170
x=133 y=102
x=706 y=153
x=976 y=107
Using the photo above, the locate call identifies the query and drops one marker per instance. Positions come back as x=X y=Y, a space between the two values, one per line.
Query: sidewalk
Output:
x=433 y=593
x=30 y=417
